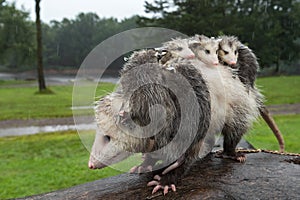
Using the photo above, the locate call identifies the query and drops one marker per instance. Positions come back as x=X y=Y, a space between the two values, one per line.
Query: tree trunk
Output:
x=262 y=176
x=40 y=70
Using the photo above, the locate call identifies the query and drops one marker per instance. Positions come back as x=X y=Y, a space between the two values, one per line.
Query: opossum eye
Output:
x=207 y=51
x=235 y=52
x=106 y=138
x=179 y=49
x=195 y=45
x=226 y=52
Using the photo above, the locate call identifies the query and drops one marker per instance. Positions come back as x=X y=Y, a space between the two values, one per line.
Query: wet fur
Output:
x=137 y=100
x=246 y=69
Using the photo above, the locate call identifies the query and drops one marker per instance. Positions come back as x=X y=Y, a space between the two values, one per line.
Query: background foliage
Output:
x=270 y=27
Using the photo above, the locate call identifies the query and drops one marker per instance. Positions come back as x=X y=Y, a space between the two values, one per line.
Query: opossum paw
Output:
x=164 y=183
x=158 y=186
x=141 y=169
x=240 y=157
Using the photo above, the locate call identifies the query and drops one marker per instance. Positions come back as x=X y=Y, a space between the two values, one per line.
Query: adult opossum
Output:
x=242 y=60
x=229 y=97
x=144 y=84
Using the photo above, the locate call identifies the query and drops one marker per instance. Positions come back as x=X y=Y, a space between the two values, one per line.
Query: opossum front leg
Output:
x=169 y=177
x=232 y=136
x=146 y=166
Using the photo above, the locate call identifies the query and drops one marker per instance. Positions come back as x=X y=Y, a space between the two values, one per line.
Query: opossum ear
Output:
x=202 y=38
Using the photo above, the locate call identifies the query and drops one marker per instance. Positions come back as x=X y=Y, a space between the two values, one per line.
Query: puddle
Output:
x=30 y=130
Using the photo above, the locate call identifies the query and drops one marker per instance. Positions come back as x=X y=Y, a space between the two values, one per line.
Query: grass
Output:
x=24 y=103
x=42 y=163
x=263 y=138
x=281 y=89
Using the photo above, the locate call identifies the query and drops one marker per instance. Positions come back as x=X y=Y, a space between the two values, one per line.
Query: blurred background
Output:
x=44 y=42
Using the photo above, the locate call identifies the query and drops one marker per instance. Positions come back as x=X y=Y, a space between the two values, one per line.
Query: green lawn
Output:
x=44 y=162
x=262 y=137
x=24 y=103
x=280 y=89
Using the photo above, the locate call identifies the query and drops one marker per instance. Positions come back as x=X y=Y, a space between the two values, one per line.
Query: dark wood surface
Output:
x=262 y=176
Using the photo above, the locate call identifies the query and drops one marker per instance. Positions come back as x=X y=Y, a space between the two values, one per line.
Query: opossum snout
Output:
x=232 y=62
x=215 y=63
x=191 y=56
x=94 y=164
x=91 y=165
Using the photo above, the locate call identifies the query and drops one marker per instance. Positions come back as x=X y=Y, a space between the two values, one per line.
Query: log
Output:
x=262 y=176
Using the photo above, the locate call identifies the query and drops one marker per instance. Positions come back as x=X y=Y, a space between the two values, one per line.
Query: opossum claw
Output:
x=157 y=177
x=150 y=168
x=152 y=183
x=140 y=169
x=166 y=190
x=122 y=113
x=173 y=187
x=241 y=158
x=133 y=169
x=156 y=188
x=237 y=157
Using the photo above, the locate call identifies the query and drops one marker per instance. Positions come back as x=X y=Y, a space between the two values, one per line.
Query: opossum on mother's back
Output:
x=229 y=97
x=242 y=60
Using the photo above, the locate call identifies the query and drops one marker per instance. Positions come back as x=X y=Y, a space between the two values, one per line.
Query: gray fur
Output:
x=142 y=86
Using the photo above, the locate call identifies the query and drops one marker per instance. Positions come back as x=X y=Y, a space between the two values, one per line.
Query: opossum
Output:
x=239 y=57
x=142 y=87
x=205 y=49
x=177 y=48
x=165 y=55
x=229 y=99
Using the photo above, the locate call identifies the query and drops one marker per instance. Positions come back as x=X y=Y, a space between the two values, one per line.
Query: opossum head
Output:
x=228 y=50
x=205 y=49
x=112 y=143
x=179 y=48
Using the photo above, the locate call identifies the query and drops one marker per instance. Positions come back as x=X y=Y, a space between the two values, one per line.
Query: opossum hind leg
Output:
x=232 y=136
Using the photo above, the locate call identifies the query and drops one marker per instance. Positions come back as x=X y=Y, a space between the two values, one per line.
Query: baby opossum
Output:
x=204 y=49
x=229 y=98
x=144 y=84
x=239 y=57
x=176 y=48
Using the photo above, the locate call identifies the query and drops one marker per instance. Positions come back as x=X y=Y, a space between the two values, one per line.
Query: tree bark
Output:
x=40 y=70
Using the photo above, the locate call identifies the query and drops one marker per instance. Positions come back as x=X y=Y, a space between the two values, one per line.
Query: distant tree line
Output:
x=270 y=27
x=65 y=43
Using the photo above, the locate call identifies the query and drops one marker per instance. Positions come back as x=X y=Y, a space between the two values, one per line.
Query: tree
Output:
x=17 y=44
x=269 y=27
x=40 y=70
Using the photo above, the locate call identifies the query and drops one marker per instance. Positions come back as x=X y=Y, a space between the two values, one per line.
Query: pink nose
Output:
x=91 y=165
x=192 y=56
x=232 y=62
x=215 y=63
